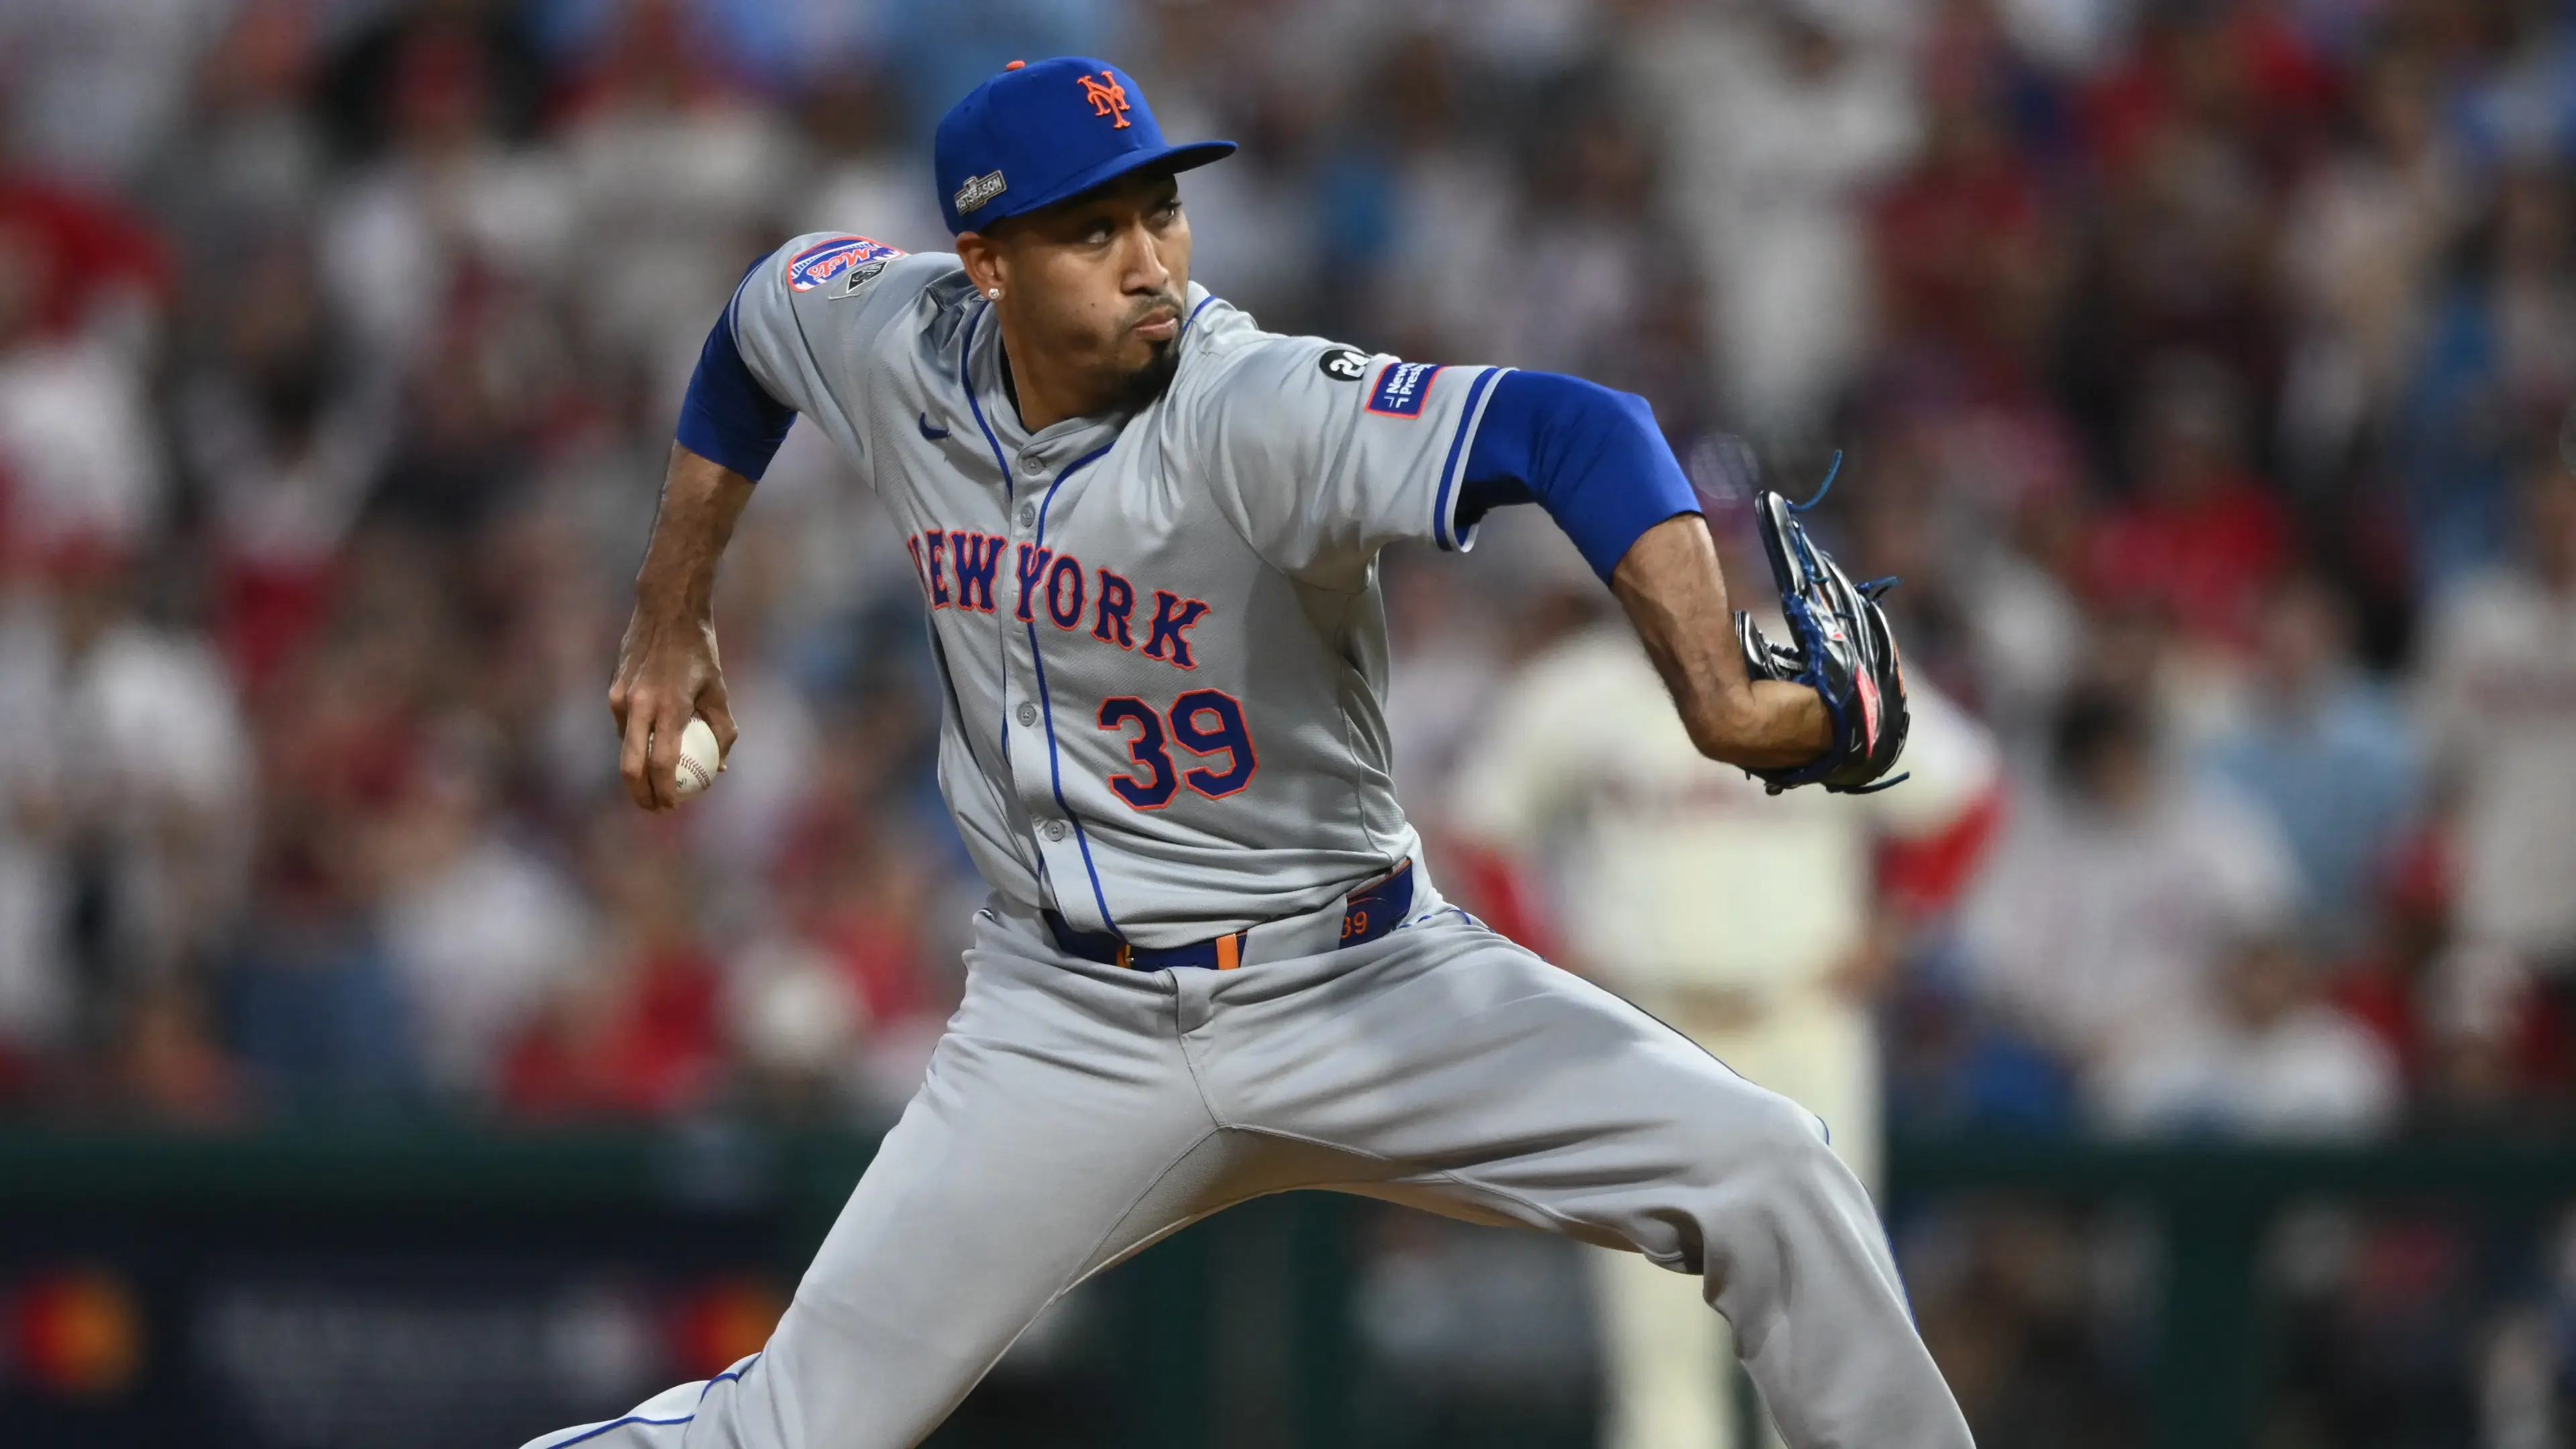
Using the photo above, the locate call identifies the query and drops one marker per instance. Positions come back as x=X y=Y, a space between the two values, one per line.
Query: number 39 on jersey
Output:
x=1207 y=723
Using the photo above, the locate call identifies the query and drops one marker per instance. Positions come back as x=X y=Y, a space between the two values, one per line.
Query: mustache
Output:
x=1144 y=311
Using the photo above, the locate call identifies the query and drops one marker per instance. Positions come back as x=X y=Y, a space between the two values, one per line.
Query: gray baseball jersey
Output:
x=1160 y=634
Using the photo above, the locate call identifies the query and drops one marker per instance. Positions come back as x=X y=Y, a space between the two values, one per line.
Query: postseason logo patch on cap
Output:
x=823 y=261
x=979 y=190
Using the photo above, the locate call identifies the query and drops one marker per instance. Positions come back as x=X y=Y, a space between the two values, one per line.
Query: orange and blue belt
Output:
x=1367 y=913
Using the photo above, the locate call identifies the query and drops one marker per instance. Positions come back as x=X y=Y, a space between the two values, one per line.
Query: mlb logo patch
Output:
x=823 y=261
x=1401 y=389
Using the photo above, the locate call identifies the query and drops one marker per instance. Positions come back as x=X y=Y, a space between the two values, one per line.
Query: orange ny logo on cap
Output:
x=1106 y=100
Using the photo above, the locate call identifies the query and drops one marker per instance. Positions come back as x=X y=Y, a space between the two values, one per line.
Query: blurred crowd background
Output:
x=2205 y=368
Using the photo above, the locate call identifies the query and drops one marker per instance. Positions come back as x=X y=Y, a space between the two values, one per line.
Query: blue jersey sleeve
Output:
x=728 y=417
x=1591 y=457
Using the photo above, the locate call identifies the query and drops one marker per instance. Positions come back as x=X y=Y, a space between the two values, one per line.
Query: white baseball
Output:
x=699 y=759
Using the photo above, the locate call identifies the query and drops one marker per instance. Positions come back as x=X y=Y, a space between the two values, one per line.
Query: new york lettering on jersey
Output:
x=956 y=569
x=1160 y=637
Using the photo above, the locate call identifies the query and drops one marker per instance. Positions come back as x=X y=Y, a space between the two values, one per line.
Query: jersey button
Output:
x=1028 y=713
x=1032 y=464
x=1055 y=831
x=1028 y=515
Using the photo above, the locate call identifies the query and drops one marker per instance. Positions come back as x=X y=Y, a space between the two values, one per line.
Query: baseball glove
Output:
x=1840 y=647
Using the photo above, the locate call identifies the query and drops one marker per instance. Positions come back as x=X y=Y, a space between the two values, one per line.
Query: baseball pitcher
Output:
x=1212 y=966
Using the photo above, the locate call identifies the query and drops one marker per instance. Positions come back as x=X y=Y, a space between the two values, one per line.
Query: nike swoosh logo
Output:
x=927 y=431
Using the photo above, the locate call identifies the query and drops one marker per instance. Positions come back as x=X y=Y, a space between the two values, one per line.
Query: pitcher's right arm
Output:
x=667 y=668
x=757 y=371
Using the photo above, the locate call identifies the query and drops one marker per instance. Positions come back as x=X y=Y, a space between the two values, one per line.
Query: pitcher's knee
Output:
x=1776 y=1147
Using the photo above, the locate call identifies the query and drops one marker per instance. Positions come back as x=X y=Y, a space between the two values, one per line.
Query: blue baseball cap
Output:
x=1043 y=131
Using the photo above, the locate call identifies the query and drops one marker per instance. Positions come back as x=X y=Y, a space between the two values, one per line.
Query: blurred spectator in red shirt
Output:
x=2200 y=540
x=1968 y=256
x=2389 y=984
x=837 y=1006
x=286 y=435
x=80 y=469
x=633 y=1032
x=2243 y=70
x=89 y=254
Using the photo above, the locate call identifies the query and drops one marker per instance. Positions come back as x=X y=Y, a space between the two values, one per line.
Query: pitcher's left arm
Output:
x=1594 y=459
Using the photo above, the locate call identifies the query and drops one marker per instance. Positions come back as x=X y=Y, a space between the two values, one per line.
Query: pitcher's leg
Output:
x=1512 y=1088
x=1058 y=1128
x=1820 y=1052
x=1667 y=1367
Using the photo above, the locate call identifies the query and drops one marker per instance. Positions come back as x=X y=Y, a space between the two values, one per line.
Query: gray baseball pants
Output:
x=1075 y=1113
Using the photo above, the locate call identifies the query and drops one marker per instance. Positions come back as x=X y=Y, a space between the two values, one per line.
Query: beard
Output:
x=1141 y=387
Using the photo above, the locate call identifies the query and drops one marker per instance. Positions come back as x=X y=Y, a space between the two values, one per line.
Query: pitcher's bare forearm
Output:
x=700 y=502
x=1675 y=594
x=667 y=668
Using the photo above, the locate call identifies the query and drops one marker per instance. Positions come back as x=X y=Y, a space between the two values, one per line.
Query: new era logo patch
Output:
x=1401 y=389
